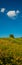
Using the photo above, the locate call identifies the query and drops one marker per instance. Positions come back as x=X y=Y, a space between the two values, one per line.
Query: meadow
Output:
x=10 y=51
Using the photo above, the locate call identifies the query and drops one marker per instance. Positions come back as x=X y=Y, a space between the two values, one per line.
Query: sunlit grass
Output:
x=11 y=51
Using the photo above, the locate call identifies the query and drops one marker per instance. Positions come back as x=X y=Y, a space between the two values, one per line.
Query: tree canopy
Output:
x=11 y=35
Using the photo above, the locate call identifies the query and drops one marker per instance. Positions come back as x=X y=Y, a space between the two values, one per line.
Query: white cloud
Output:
x=12 y=13
x=17 y=12
x=2 y=10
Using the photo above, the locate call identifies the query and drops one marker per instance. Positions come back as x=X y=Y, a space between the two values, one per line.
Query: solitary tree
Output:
x=11 y=35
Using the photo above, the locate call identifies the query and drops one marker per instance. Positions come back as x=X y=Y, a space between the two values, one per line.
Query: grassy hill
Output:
x=10 y=51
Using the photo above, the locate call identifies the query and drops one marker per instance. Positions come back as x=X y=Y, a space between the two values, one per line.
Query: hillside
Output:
x=10 y=51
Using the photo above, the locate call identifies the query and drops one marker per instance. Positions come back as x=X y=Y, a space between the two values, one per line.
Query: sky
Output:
x=10 y=18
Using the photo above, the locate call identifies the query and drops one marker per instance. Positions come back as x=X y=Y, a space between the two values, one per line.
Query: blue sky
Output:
x=10 y=18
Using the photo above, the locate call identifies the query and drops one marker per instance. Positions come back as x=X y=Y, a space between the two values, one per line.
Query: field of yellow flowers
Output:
x=10 y=51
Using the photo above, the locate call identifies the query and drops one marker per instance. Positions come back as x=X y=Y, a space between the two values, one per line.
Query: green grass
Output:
x=10 y=51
